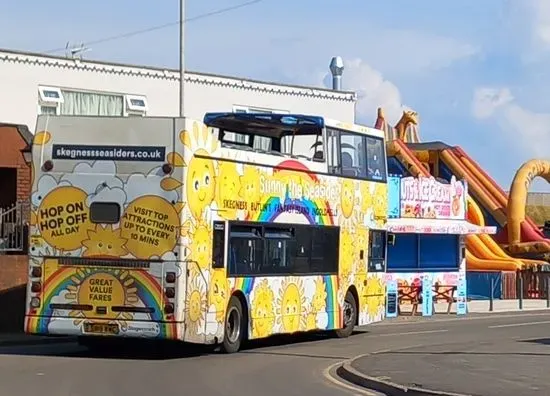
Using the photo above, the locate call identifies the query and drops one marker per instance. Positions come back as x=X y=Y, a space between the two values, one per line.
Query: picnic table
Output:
x=413 y=295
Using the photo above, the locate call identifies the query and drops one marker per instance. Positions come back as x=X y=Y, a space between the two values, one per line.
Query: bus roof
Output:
x=268 y=123
x=279 y=124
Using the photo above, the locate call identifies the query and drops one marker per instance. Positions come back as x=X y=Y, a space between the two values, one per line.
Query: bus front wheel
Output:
x=235 y=326
x=349 y=316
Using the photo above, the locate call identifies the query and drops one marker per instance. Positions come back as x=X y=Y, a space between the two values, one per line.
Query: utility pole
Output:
x=182 y=56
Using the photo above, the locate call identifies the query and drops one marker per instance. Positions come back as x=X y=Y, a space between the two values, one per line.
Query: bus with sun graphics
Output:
x=236 y=227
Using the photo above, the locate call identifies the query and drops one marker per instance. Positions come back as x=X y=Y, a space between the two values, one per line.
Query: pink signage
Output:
x=427 y=198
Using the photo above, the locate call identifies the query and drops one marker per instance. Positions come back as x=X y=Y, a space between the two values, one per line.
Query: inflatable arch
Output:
x=518 y=195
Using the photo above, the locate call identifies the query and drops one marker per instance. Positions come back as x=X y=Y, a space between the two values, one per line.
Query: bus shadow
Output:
x=125 y=349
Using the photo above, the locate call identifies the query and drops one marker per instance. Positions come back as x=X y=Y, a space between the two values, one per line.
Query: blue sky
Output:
x=476 y=71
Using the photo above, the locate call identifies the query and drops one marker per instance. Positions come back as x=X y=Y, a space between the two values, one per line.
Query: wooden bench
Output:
x=444 y=293
x=410 y=295
x=413 y=295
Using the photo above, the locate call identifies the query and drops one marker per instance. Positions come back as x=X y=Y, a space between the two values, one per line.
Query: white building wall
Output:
x=21 y=74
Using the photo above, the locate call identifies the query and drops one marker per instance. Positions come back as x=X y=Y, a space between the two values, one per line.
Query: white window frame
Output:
x=46 y=100
x=134 y=110
x=40 y=106
x=250 y=109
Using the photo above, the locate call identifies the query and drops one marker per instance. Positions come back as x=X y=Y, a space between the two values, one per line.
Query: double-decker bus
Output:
x=235 y=228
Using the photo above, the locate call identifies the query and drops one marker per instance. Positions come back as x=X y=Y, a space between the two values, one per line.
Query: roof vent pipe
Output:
x=337 y=69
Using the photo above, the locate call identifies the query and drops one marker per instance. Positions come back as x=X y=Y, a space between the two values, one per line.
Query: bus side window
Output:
x=218 y=245
x=333 y=151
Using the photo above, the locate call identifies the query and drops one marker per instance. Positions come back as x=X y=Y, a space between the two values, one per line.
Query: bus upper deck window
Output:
x=105 y=212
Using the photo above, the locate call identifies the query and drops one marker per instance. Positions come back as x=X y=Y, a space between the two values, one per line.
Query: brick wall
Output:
x=11 y=157
x=13 y=280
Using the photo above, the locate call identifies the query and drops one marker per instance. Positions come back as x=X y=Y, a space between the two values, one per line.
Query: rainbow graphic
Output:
x=149 y=292
x=317 y=211
x=333 y=310
x=245 y=285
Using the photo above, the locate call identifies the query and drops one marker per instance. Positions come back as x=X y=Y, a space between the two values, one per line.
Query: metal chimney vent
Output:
x=337 y=69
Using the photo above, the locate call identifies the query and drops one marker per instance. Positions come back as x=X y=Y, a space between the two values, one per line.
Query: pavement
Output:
x=499 y=356
x=287 y=365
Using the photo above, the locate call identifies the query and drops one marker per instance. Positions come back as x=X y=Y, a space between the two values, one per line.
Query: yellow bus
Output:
x=233 y=228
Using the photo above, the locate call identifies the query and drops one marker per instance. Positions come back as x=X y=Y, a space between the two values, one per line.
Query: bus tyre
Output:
x=350 y=316
x=235 y=327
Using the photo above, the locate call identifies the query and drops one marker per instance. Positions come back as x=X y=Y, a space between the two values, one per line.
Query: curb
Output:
x=33 y=340
x=389 y=388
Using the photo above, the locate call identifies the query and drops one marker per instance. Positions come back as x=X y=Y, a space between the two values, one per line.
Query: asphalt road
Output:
x=268 y=368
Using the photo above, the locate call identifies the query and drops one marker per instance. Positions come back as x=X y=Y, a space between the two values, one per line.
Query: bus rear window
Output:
x=105 y=212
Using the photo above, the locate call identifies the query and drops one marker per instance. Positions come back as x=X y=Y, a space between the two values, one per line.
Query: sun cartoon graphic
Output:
x=361 y=244
x=374 y=294
x=109 y=289
x=104 y=242
x=218 y=293
x=250 y=184
x=195 y=305
x=318 y=304
x=347 y=254
x=380 y=203
x=200 y=247
x=319 y=299
x=291 y=303
x=262 y=310
x=347 y=197
x=228 y=188
x=200 y=183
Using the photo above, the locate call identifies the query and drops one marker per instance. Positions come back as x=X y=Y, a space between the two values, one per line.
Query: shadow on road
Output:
x=540 y=341
x=131 y=349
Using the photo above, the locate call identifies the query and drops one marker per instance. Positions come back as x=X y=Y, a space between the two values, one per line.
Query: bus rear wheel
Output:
x=350 y=316
x=235 y=326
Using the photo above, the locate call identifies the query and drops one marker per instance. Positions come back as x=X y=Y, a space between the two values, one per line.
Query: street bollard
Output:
x=521 y=292
x=491 y=295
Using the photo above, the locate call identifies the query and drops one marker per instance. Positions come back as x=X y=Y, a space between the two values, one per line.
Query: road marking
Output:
x=519 y=324
x=341 y=384
x=493 y=315
x=411 y=333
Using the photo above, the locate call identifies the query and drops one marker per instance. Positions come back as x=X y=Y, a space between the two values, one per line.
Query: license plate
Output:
x=101 y=328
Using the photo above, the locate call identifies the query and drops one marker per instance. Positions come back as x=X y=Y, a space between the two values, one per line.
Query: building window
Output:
x=57 y=101
x=249 y=109
x=91 y=104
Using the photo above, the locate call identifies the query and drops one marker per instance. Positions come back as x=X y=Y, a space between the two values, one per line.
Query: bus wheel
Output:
x=234 y=326
x=350 y=316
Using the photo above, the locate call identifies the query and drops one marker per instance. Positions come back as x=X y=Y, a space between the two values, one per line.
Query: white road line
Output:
x=490 y=316
x=356 y=390
x=411 y=333
x=519 y=324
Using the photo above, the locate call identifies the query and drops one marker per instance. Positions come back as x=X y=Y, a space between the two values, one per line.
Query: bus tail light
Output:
x=167 y=168
x=169 y=308
x=47 y=166
x=35 y=302
x=36 y=272
x=170 y=292
x=36 y=287
x=170 y=277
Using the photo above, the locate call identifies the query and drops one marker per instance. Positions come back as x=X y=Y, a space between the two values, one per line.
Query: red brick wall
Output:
x=13 y=268
x=11 y=157
x=13 y=282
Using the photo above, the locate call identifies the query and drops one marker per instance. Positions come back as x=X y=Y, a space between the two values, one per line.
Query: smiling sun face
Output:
x=200 y=181
x=291 y=303
x=195 y=306
x=347 y=199
x=104 y=242
x=201 y=247
x=228 y=187
x=250 y=184
x=201 y=184
x=109 y=289
x=262 y=312
x=217 y=293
